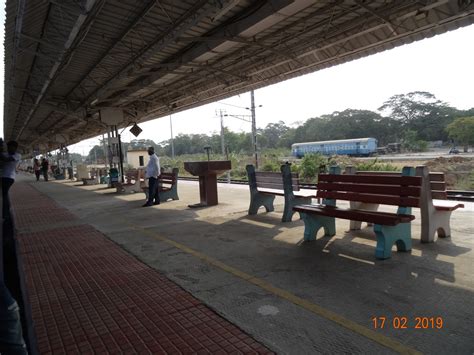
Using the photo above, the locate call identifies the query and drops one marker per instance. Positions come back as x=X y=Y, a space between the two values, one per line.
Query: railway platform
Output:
x=104 y=273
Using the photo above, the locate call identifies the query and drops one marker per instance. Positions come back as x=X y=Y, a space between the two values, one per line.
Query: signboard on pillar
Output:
x=61 y=138
x=111 y=116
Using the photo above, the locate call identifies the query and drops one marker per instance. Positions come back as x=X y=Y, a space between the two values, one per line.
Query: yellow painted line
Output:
x=314 y=308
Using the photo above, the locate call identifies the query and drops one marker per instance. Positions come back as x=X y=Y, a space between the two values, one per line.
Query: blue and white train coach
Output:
x=361 y=147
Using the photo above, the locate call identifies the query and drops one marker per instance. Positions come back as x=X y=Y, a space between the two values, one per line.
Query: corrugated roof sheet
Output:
x=66 y=60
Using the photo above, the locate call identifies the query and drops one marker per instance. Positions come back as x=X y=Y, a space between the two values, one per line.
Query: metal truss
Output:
x=67 y=59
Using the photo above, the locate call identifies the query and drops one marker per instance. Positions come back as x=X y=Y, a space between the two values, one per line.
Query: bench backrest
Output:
x=271 y=180
x=438 y=186
x=131 y=175
x=398 y=190
x=169 y=178
x=437 y=180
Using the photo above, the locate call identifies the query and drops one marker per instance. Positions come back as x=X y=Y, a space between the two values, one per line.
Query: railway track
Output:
x=458 y=195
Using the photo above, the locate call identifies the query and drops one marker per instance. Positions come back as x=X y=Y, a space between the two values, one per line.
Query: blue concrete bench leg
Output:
x=170 y=194
x=312 y=224
x=290 y=203
x=389 y=235
x=258 y=200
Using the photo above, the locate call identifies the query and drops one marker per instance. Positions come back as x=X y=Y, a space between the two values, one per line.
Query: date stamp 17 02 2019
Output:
x=402 y=322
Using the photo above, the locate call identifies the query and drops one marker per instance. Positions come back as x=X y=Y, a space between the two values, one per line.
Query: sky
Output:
x=441 y=65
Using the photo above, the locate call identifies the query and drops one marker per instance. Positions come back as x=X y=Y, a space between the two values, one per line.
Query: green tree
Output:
x=409 y=107
x=422 y=112
x=96 y=155
x=346 y=125
x=411 y=142
x=287 y=138
x=76 y=158
x=312 y=165
x=142 y=144
x=273 y=133
x=462 y=131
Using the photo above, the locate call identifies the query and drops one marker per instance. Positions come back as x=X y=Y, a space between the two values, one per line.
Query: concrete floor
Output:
x=296 y=298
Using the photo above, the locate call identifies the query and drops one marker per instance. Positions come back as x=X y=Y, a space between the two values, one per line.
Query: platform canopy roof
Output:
x=66 y=60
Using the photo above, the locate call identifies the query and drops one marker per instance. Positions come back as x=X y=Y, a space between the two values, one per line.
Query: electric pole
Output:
x=254 y=128
x=172 y=143
x=221 y=113
x=104 y=146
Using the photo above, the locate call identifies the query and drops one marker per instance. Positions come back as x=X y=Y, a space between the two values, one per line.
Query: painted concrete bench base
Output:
x=265 y=197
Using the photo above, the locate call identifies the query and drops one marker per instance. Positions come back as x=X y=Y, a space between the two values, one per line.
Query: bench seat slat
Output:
x=272 y=174
x=267 y=185
x=384 y=218
x=274 y=177
x=371 y=189
x=281 y=193
x=376 y=199
x=270 y=191
x=305 y=193
x=372 y=179
x=440 y=195
x=166 y=181
x=438 y=185
x=436 y=176
x=274 y=180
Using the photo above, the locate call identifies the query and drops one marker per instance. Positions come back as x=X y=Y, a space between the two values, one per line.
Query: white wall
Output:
x=134 y=160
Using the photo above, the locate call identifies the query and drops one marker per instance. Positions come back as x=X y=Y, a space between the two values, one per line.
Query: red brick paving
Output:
x=90 y=296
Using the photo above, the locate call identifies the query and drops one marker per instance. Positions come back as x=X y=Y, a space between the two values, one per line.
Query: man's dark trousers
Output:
x=6 y=184
x=153 y=191
x=11 y=338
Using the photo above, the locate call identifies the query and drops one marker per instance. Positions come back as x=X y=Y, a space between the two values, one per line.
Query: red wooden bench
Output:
x=390 y=228
x=131 y=183
x=167 y=185
x=435 y=209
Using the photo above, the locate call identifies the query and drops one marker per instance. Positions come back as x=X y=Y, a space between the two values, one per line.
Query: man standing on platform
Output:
x=44 y=168
x=153 y=170
x=10 y=161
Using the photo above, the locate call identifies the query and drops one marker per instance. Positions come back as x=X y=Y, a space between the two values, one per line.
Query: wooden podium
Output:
x=207 y=172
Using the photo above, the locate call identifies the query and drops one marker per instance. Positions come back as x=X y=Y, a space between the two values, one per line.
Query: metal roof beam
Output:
x=189 y=20
x=16 y=46
x=75 y=30
x=48 y=43
x=385 y=19
x=234 y=28
x=236 y=39
x=175 y=65
x=120 y=38
x=323 y=11
x=52 y=59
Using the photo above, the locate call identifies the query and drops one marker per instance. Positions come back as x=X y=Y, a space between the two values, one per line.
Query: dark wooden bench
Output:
x=167 y=185
x=390 y=228
x=94 y=178
x=131 y=183
x=264 y=186
x=435 y=208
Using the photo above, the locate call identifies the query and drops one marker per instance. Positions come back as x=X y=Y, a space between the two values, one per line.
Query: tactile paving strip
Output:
x=89 y=296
